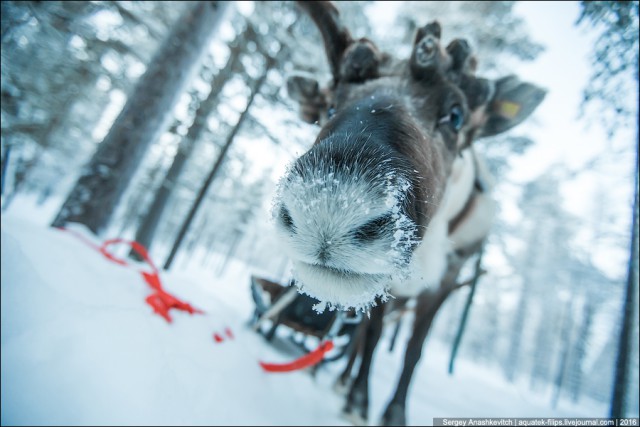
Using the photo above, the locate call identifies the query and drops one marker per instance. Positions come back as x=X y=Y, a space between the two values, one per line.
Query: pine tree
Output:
x=615 y=66
x=216 y=167
x=96 y=194
x=149 y=224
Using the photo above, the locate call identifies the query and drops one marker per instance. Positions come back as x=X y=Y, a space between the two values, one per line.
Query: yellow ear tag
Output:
x=508 y=109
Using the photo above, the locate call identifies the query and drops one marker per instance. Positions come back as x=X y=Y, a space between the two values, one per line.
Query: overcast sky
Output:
x=562 y=137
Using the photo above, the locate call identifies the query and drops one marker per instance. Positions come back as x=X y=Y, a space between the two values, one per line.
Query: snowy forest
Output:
x=169 y=123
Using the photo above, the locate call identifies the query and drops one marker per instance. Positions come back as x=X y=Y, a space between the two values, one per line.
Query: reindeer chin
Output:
x=341 y=289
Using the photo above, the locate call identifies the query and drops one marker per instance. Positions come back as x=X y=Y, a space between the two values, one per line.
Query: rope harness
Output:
x=161 y=302
x=313 y=357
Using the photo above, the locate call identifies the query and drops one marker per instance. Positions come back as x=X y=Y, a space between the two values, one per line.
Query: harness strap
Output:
x=479 y=187
x=314 y=357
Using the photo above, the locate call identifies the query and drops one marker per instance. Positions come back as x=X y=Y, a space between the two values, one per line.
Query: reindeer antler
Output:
x=462 y=72
x=428 y=57
x=462 y=58
x=336 y=37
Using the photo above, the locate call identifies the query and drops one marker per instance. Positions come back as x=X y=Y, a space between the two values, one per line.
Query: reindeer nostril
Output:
x=373 y=229
x=286 y=219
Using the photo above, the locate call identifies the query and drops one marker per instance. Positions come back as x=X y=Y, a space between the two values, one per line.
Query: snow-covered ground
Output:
x=80 y=346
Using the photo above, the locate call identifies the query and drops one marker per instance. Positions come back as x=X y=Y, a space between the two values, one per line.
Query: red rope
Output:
x=160 y=300
x=312 y=358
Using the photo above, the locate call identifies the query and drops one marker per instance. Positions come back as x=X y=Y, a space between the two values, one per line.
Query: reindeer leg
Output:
x=357 y=405
x=394 y=337
x=343 y=383
x=426 y=308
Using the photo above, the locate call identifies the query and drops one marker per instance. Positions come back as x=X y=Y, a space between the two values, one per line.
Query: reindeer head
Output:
x=353 y=211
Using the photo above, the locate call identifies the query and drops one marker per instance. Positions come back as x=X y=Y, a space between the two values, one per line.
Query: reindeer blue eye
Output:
x=331 y=112
x=456 y=117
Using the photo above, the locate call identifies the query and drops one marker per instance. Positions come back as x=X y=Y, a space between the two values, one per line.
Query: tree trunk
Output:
x=581 y=350
x=513 y=362
x=622 y=371
x=566 y=342
x=216 y=167
x=149 y=224
x=96 y=194
x=513 y=355
x=23 y=168
x=230 y=252
x=5 y=165
x=137 y=199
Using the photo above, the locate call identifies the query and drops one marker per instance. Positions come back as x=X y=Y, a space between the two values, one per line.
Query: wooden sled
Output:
x=279 y=305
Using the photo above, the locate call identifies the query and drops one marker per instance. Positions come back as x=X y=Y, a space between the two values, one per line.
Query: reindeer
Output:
x=392 y=199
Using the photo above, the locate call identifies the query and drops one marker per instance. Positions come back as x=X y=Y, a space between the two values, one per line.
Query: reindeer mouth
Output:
x=339 y=287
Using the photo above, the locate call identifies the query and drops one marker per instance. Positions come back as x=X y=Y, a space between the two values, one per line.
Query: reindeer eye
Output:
x=331 y=112
x=455 y=118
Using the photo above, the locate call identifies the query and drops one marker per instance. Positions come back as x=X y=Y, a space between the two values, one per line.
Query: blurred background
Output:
x=169 y=123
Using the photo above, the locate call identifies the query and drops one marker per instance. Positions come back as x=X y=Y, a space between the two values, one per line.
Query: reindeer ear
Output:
x=302 y=86
x=511 y=104
x=305 y=89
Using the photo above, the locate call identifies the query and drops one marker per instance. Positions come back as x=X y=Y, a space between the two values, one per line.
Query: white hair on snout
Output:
x=328 y=201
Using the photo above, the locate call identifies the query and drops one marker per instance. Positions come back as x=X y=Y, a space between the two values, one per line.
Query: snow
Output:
x=79 y=346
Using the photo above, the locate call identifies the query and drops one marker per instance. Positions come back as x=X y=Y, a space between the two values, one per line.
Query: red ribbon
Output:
x=160 y=300
x=312 y=358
